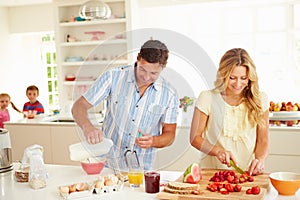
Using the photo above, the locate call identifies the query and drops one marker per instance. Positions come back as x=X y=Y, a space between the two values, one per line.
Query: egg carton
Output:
x=107 y=184
x=103 y=185
x=75 y=191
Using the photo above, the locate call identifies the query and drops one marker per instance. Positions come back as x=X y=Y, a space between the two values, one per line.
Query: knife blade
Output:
x=239 y=170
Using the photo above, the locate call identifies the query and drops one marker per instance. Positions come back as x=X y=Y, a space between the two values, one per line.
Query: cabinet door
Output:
x=23 y=136
x=282 y=163
x=62 y=137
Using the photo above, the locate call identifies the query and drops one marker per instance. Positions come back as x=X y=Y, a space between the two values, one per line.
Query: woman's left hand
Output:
x=145 y=141
x=257 y=167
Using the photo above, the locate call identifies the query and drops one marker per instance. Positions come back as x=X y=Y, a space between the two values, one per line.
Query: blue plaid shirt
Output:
x=127 y=112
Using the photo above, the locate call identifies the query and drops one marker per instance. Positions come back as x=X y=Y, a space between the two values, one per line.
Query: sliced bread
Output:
x=175 y=191
x=182 y=186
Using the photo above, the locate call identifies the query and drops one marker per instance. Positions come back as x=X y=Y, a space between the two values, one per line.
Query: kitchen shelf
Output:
x=93 y=43
x=108 y=51
x=285 y=115
x=93 y=22
x=72 y=83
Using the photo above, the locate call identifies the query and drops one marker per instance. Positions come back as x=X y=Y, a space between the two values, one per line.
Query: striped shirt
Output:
x=34 y=106
x=127 y=112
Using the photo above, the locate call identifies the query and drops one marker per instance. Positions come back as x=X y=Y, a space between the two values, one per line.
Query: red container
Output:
x=93 y=168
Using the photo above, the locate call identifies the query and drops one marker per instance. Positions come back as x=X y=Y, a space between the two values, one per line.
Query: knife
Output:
x=239 y=170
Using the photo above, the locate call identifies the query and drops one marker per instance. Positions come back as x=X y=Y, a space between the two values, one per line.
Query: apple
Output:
x=296 y=122
x=289 y=107
x=295 y=107
x=290 y=123
x=277 y=107
x=297 y=104
x=277 y=123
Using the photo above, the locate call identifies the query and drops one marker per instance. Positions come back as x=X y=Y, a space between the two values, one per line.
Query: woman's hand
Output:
x=145 y=141
x=257 y=166
x=225 y=156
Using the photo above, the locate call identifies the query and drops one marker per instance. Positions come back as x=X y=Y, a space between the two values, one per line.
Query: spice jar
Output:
x=22 y=174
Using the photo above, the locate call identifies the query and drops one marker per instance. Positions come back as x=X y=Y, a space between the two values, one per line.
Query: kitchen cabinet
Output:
x=86 y=48
x=284 y=154
x=23 y=136
x=55 y=139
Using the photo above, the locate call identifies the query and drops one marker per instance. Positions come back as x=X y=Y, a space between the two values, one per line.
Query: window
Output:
x=48 y=54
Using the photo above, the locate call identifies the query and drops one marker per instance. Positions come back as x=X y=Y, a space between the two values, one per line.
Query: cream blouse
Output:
x=228 y=127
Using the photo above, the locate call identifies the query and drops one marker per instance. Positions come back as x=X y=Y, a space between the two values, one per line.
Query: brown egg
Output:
x=64 y=189
x=80 y=186
x=99 y=184
x=72 y=188
x=108 y=182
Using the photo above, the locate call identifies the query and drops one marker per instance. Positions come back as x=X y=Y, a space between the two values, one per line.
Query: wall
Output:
x=19 y=65
x=25 y=19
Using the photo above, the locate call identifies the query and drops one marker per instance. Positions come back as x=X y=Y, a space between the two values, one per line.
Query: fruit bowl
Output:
x=93 y=165
x=286 y=183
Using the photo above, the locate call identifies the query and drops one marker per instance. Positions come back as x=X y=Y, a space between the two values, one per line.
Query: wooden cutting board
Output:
x=261 y=180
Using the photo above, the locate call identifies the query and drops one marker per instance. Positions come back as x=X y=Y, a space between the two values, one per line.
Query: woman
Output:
x=231 y=121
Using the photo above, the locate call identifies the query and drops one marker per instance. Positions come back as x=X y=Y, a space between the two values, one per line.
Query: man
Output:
x=141 y=110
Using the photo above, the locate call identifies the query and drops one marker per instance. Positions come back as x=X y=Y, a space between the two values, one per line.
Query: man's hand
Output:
x=93 y=135
x=145 y=141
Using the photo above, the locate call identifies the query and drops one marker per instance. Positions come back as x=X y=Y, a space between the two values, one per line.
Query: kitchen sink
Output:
x=63 y=120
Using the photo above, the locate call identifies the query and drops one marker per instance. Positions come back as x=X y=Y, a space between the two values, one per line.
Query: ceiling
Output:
x=142 y=2
x=22 y=2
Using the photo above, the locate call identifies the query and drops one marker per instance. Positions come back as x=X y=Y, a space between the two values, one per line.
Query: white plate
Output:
x=81 y=151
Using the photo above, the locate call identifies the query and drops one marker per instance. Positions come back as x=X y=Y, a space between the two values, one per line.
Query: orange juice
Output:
x=135 y=178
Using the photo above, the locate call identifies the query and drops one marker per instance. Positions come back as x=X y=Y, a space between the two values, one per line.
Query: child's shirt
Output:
x=34 y=106
x=4 y=117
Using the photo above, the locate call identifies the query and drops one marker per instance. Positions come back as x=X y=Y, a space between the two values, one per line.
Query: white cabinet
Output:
x=284 y=154
x=86 y=48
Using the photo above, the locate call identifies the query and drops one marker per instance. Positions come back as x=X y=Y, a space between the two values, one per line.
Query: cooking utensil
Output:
x=239 y=170
x=83 y=150
x=5 y=151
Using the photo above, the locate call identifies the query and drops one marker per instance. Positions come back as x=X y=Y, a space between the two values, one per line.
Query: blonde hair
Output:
x=3 y=95
x=252 y=98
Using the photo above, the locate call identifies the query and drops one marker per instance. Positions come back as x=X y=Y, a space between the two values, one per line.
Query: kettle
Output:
x=5 y=151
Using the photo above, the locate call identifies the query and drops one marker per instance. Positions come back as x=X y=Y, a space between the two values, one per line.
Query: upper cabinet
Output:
x=85 y=48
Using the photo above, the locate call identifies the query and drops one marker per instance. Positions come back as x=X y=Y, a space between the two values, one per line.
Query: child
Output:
x=4 y=114
x=32 y=92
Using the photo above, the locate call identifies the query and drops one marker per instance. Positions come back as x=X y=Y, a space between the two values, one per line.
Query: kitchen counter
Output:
x=64 y=175
x=65 y=119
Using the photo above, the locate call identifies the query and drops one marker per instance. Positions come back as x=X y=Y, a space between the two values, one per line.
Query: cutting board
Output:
x=261 y=180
